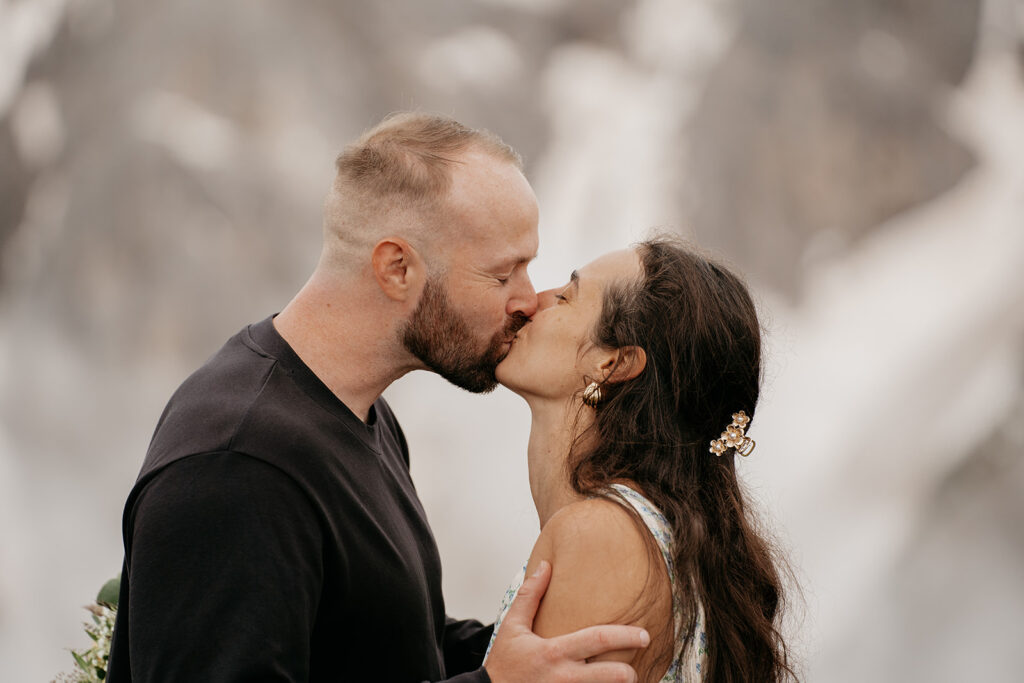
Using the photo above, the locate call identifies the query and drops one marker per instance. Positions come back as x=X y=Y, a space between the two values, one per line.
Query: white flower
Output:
x=733 y=436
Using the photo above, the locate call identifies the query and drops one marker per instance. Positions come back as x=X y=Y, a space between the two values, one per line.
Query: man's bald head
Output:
x=394 y=181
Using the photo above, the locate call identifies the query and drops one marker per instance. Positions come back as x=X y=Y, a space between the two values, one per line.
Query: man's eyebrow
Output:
x=514 y=262
x=574 y=279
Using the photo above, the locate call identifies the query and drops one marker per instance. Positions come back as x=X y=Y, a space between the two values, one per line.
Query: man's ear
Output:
x=399 y=270
x=624 y=364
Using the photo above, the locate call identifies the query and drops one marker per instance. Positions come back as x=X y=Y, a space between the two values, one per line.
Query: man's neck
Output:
x=348 y=345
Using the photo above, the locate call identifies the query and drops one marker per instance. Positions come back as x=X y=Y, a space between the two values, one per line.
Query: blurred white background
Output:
x=162 y=166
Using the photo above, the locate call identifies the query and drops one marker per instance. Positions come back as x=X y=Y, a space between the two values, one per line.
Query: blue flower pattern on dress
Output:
x=687 y=663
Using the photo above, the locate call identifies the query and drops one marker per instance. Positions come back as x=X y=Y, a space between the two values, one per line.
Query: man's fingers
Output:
x=524 y=608
x=567 y=654
x=597 y=640
x=609 y=672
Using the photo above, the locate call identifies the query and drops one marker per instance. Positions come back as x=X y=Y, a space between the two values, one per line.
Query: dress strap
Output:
x=655 y=520
x=660 y=529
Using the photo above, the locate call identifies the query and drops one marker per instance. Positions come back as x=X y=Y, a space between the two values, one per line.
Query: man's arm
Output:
x=225 y=573
x=465 y=643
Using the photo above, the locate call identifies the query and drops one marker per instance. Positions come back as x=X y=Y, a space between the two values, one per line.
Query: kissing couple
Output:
x=274 y=533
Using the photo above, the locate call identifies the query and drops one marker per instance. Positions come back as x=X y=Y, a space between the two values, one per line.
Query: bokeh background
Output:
x=162 y=167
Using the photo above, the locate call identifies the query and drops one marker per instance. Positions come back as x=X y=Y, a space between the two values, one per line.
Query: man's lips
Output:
x=515 y=335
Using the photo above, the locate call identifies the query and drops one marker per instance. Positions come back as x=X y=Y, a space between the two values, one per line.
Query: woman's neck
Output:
x=552 y=431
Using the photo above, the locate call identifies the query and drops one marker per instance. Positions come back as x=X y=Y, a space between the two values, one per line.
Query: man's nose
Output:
x=524 y=301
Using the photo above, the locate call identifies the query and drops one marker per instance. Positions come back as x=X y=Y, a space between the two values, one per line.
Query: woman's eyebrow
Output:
x=574 y=279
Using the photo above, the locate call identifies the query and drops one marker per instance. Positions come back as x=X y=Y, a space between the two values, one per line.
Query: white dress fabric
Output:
x=686 y=668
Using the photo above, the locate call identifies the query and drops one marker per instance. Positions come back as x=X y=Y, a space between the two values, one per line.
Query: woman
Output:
x=632 y=372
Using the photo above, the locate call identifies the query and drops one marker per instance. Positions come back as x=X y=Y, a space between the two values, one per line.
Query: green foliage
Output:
x=110 y=592
x=92 y=662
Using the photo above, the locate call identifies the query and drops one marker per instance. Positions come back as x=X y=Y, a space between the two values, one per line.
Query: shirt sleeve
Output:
x=225 y=573
x=465 y=643
x=478 y=676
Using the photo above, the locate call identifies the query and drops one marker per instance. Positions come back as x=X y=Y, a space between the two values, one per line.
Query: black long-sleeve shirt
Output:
x=274 y=536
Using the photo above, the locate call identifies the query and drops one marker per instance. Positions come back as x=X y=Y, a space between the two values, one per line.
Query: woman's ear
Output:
x=398 y=268
x=624 y=365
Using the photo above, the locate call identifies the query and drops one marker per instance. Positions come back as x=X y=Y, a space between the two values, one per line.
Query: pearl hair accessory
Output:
x=733 y=437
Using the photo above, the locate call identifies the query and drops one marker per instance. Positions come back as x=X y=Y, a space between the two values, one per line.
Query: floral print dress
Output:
x=686 y=667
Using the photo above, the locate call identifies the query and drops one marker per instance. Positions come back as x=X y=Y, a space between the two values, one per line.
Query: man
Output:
x=274 y=532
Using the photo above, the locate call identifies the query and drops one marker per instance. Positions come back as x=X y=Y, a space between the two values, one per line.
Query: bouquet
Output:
x=91 y=663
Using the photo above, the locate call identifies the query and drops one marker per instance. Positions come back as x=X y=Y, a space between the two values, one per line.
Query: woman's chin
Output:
x=506 y=377
x=503 y=379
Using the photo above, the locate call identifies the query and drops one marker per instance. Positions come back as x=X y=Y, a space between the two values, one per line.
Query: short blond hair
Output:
x=402 y=163
x=410 y=154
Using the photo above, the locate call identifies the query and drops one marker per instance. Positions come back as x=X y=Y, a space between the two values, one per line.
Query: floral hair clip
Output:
x=733 y=437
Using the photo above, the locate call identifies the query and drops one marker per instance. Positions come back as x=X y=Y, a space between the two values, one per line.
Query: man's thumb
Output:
x=524 y=608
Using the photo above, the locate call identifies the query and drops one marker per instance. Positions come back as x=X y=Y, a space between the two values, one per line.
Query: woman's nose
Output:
x=546 y=299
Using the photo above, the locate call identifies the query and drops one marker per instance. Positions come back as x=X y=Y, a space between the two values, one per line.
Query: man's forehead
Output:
x=511 y=258
x=484 y=182
x=493 y=213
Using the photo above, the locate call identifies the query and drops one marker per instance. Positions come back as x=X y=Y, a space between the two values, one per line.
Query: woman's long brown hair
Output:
x=699 y=329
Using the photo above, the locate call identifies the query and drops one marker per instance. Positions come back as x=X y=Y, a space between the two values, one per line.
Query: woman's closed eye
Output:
x=574 y=281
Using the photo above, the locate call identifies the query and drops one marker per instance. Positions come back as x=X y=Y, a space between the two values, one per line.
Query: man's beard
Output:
x=441 y=338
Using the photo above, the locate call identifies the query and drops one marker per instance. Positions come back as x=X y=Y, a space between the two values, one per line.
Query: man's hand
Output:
x=521 y=656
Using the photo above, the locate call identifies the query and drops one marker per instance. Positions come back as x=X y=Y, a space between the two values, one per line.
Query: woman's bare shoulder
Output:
x=601 y=567
x=599 y=528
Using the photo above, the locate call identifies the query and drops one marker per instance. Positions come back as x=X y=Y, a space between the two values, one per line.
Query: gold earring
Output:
x=592 y=394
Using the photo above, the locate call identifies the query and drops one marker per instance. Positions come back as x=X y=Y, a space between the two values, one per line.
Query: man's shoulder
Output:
x=218 y=479
x=206 y=409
